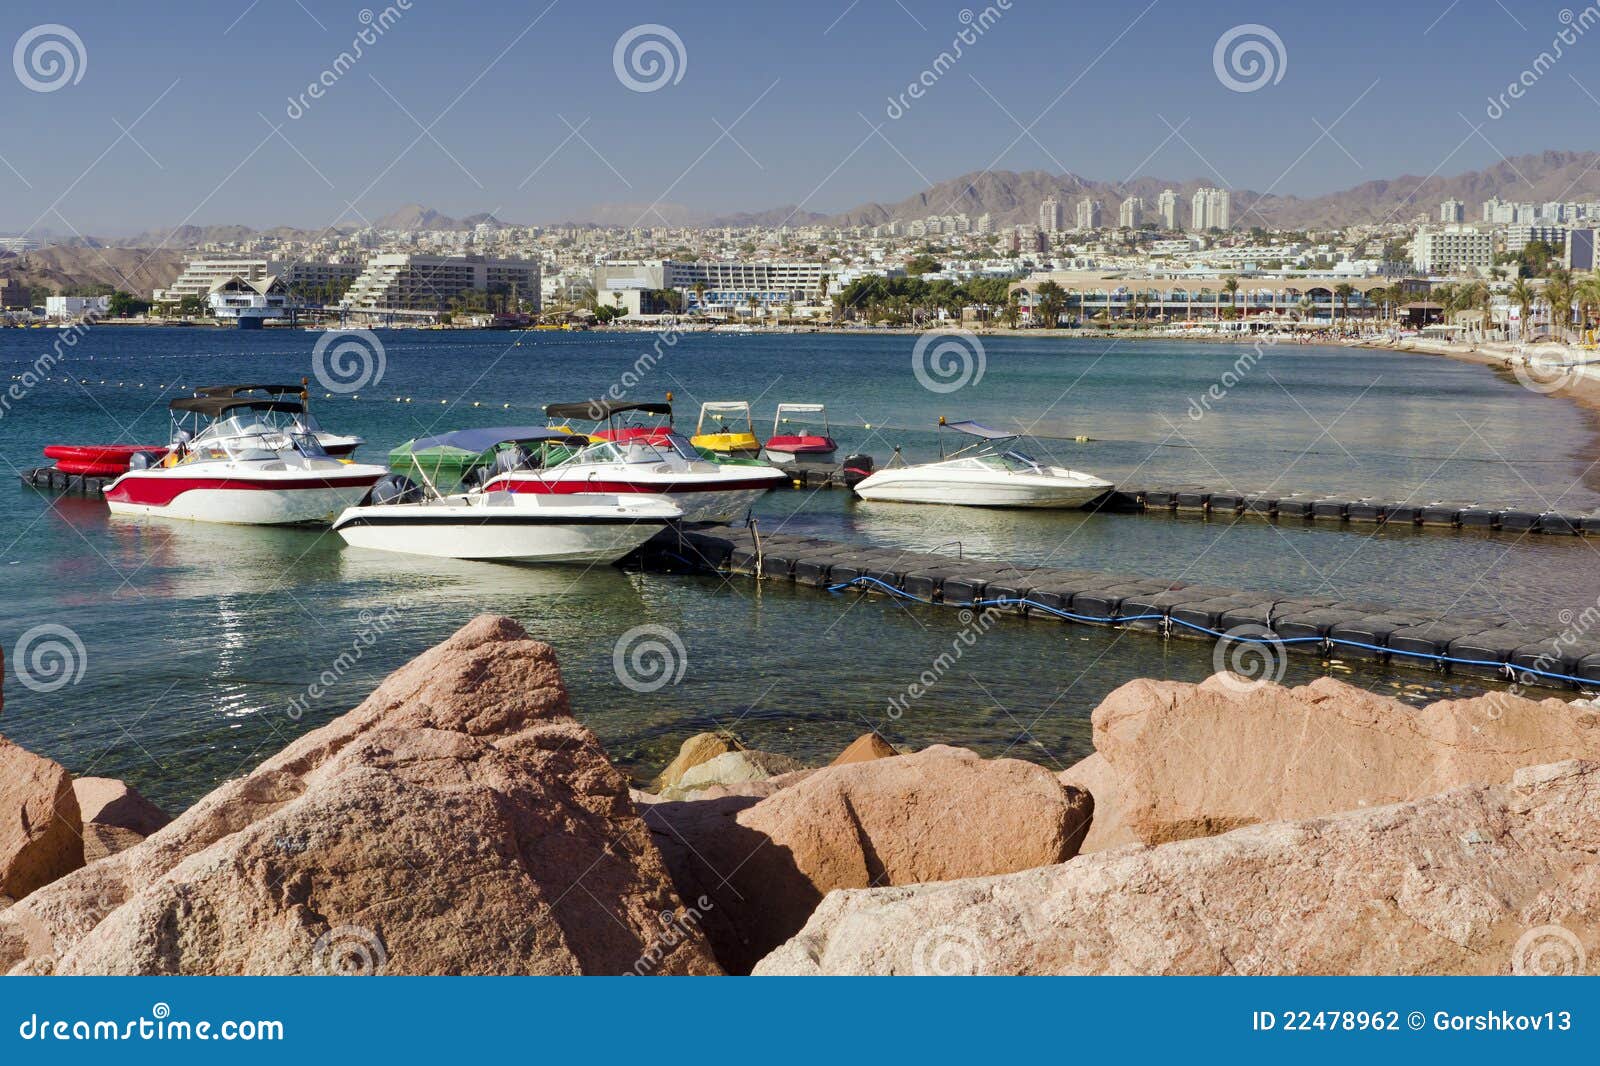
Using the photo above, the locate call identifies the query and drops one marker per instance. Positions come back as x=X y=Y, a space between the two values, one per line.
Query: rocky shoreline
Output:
x=461 y=821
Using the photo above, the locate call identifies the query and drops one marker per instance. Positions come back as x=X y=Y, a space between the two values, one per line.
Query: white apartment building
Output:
x=1167 y=208
x=1520 y=234
x=68 y=308
x=1088 y=213
x=724 y=286
x=1131 y=214
x=1452 y=250
x=200 y=276
x=405 y=282
x=1451 y=211
x=1210 y=209
x=1050 y=217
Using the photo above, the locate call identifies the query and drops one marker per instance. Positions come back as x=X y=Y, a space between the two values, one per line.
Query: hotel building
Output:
x=405 y=282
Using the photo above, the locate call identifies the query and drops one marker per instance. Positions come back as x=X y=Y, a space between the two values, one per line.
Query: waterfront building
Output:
x=1167 y=208
x=1131 y=214
x=717 y=285
x=1452 y=250
x=1452 y=210
x=304 y=276
x=1088 y=214
x=13 y=295
x=251 y=304
x=1050 y=217
x=71 y=308
x=417 y=283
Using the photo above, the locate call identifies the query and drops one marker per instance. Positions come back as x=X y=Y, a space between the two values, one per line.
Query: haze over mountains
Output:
x=1012 y=197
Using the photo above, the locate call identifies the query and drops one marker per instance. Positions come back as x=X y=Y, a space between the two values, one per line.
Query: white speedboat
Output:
x=988 y=473
x=665 y=465
x=338 y=445
x=252 y=463
x=509 y=527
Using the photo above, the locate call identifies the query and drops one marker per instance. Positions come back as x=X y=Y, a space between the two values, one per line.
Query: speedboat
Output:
x=991 y=472
x=704 y=490
x=722 y=435
x=500 y=525
x=784 y=447
x=335 y=444
x=252 y=463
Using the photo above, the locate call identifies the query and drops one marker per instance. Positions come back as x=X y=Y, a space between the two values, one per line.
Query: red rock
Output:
x=865 y=748
x=942 y=813
x=41 y=832
x=458 y=821
x=109 y=802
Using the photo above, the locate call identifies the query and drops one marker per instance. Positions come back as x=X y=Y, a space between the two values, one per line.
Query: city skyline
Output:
x=535 y=113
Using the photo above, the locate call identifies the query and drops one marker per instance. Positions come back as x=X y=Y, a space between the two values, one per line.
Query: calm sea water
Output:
x=196 y=640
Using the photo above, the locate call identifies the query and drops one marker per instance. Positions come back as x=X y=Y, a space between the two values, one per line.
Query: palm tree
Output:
x=700 y=298
x=754 y=302
x=1558 y=295
x=1011 y=311
x=1522 y=294
x=1051 y=302
x=1588 y=294
x=1231 y=287
x=1344 y=290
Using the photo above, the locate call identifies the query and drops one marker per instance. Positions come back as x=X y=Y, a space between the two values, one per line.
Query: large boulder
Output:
x=41 y=830
x=1194 y=760
x=1095 y=776
x=457 y=821
x=732 y=769
x=1488 y=879
x=115 y=816
x=865 y=748
x=700 y=748
x=763 y=865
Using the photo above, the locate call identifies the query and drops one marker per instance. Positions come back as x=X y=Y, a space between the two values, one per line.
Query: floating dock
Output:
x=48 y=477
x=1336 y=510
x=1324 y=627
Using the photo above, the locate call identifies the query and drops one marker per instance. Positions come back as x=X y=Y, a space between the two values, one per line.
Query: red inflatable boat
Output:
x=99 y=460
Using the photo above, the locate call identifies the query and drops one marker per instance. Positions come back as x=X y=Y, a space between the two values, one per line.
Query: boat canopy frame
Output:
x=604 y=410
x=804 y=409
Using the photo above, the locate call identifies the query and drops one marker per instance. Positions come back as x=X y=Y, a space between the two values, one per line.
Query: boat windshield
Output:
x=625 y=451
x=253 y=435
x=678 y=443
x=1013 y=462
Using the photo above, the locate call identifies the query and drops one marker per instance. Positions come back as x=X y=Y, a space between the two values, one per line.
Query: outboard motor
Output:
x=141 y=461
x=857 y=468
x=395 y=488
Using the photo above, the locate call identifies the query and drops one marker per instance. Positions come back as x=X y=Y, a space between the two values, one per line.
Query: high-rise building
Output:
x=984 y=224
x=1088 y=213
x=1210 y=209
x=1452 y=250
x=1167 y=208
x=404 y=282
x=1131 y=213
x=1050 y=215
x=1452 y=210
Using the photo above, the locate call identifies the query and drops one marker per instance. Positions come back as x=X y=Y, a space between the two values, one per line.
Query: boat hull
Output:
x=700 y=500
x=888 y=487
x=508 y=534
x=238 y=500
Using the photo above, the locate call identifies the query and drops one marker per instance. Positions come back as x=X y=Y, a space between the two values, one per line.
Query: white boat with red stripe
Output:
x=253 y=463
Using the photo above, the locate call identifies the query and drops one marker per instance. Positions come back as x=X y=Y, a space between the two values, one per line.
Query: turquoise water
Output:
x=198 y=640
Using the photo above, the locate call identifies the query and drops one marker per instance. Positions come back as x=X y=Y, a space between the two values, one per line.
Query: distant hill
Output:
x=1011 y=197
x=137 y=270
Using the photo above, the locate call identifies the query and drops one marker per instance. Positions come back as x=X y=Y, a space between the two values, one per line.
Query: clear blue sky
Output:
x=801 y=75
